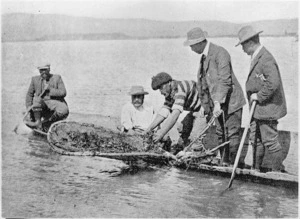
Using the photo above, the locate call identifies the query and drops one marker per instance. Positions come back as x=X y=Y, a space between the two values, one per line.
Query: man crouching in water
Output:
x=45 y=98
x=179 y=96
x=136 y=115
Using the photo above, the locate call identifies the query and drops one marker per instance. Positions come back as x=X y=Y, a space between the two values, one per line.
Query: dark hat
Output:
x=44 y=66
x=160 y=79
x=194 y=36
x=137 y=90
x=247 y=33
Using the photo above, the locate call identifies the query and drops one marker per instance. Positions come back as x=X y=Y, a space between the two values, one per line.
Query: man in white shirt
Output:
x=136 y=116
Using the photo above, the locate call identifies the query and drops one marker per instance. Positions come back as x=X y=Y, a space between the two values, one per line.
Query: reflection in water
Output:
x=51 y=185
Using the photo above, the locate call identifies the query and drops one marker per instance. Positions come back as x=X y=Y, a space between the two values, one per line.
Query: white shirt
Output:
x=140 y=118
x=256 y=52
x=205 y=51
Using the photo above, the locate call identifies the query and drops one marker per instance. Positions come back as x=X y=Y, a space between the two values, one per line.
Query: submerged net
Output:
x=82 y=139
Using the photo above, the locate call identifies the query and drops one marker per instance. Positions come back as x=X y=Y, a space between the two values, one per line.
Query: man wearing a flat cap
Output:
x=45 y=99
x=263 y=85
x=136 y=115
x=179 y=96
x=220 y=91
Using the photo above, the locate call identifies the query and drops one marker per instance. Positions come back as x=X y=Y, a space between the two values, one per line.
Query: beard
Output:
x=137 y=103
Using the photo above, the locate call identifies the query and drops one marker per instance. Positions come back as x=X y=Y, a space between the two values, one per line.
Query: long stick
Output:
x=211 y=121
x=237 y=158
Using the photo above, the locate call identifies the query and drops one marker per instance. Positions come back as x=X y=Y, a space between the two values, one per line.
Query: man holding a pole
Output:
x=264 y=86
x=219 y=91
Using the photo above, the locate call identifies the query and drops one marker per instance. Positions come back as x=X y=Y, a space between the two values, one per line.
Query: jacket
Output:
x=222 y=83
x=265 y=80
x=57 y=89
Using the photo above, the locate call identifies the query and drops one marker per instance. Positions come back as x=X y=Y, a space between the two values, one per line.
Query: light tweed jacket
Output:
x=57 y=89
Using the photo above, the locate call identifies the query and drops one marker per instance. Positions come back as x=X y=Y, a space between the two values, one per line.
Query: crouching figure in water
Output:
x=179 y=96
x=136 y=115
x=45 y=99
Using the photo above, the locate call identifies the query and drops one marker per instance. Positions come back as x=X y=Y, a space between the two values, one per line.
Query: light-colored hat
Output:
x=246 y=33
x=137 y=90
x=45 y=66
x=195 y=35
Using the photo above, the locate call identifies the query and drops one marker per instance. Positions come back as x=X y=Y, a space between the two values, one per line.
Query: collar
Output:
x=256 y=52
x=41 y=79
x=205 y=51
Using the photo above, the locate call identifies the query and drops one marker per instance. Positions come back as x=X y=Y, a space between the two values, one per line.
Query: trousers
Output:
x=264 y=134
x=58 y=108
x=229 y=129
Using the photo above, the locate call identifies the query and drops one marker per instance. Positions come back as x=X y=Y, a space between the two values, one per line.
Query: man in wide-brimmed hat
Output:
x=220 y=91
x=136 y=116
x=263 y=85
x=45 y=99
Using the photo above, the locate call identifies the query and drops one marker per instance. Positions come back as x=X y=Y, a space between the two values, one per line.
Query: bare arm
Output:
x=167 y=127
x=156 y=122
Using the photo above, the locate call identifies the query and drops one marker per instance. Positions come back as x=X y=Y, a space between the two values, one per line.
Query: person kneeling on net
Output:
x=136 y=115
x=45 y=99
x=179 y=96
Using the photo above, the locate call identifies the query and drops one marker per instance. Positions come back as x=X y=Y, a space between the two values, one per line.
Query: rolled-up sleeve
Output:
x=179 y=99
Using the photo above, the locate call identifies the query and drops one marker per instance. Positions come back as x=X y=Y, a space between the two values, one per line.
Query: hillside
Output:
x=23 y=27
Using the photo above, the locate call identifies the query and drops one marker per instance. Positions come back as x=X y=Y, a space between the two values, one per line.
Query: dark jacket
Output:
x=222 y=83
x=265 y=80
x=57 y=89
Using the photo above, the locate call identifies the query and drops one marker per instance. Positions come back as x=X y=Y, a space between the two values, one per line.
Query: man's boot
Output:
x=259 y=156
x=276 y=160
x=37 y=116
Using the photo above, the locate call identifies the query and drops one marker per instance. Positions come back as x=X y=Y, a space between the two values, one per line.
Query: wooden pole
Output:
x=211 y=121
x=237 y=158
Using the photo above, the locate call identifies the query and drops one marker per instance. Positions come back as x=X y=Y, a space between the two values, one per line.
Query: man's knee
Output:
x=271 y=142
x=273 y=146
x=62 y=112
x=60 y=109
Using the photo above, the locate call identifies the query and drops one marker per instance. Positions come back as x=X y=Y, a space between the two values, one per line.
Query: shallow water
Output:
x=37 y=182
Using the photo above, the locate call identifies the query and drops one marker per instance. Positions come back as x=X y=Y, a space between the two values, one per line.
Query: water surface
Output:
x=37 y=182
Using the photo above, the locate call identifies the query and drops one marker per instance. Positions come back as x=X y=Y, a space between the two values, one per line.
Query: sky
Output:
x=164 y=10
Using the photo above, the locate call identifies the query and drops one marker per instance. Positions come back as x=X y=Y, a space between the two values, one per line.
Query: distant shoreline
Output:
x=125 y=37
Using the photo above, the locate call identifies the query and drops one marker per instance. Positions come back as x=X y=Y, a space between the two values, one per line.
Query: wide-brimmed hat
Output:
x=137 y=90
x=246 y=33
x=195 y=35
x=44 y=66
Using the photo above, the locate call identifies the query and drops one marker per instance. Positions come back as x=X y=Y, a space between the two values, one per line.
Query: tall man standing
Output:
x=219 y=90
x=263 y=85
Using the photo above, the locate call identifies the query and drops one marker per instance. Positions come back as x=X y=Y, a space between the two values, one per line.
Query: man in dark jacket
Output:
x=220 y=91
x=46 y=96
x=263 y=85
